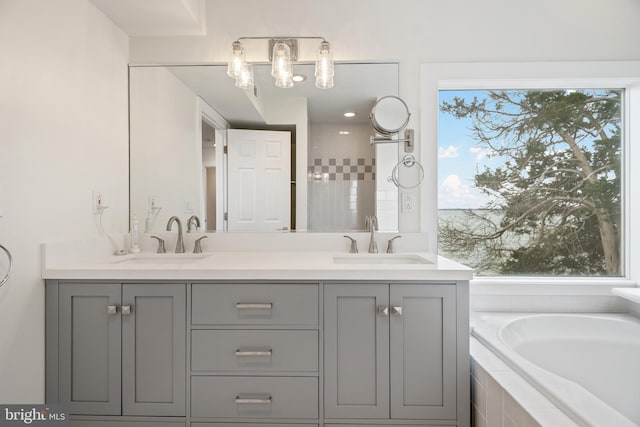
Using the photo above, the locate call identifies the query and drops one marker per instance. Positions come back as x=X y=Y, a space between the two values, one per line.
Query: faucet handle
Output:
x=353 y=249
x=390 y=248
x=197 y=247
x=161 y=248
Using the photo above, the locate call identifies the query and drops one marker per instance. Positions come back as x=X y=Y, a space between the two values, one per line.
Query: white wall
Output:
x=166 y=137
x=63 y=133
x=415 y=32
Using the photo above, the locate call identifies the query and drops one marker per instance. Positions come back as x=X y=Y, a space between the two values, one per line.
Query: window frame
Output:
x=539 y=75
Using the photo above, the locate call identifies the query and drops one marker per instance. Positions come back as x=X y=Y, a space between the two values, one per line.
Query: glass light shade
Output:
x=324 y=67
x=281 y=63
x=284 y=81
x=245 y=79
x=234 y=68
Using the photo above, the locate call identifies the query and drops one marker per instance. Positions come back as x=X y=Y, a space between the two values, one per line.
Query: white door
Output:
x=259 y=173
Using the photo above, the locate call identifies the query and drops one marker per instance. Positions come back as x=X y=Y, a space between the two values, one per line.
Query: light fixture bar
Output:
x=282 y=51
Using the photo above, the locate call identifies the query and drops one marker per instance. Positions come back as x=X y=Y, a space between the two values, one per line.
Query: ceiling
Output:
x=355 y=89
x=357 y=86
x=156 y=17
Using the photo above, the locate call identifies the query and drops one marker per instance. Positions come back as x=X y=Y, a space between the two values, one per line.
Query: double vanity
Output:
x=257 y=338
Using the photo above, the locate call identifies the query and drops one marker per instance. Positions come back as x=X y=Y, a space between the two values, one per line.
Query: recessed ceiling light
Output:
x=299 y=78
x=349 y=114
x=344 y=132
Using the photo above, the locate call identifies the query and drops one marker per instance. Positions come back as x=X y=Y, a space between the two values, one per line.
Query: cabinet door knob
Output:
x=383 y=310
x=112 y=310
x=126 y=309
x=396 y=311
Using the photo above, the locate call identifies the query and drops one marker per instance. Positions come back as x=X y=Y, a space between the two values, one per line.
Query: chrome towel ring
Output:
x=408 y=161
x=6 y=276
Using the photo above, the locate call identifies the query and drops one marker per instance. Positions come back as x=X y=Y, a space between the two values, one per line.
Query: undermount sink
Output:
x=158 y=259
x=395 y=259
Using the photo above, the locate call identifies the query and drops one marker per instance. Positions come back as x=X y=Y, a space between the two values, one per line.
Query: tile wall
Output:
x=341 y=177
x=501 y=398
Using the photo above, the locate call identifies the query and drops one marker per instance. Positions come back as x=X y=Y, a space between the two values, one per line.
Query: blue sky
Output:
x=458 y=159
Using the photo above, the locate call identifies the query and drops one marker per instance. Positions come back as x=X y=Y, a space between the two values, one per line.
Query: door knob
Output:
x=396 y=310
x=126 y=309
x=112 y=310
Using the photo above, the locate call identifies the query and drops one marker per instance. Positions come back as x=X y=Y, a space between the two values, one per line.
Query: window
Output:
x=530 y=181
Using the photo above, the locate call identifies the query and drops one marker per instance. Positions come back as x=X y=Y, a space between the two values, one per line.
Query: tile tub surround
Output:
x=501 y=398
x=596 y=388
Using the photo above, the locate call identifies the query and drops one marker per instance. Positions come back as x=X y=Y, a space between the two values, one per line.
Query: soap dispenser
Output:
x=134 y=247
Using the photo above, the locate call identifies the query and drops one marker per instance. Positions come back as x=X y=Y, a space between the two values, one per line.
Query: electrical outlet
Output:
x=98 y=202
x=408 y=202
x=188 y=207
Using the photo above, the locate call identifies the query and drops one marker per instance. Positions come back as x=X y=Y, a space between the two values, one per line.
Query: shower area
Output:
x=341 y=177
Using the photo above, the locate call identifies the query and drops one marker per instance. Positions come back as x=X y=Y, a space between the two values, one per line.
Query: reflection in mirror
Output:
x=264 y=159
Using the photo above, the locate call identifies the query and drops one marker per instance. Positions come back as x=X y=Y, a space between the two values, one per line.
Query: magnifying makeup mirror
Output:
x=389 y=115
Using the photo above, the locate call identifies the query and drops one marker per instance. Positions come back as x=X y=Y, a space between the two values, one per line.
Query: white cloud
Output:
x=450 y=152
x=455 y=194
x=480 y=153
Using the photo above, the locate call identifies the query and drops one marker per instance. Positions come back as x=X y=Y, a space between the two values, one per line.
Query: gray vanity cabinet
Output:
x=390 y=351
x=120 y=348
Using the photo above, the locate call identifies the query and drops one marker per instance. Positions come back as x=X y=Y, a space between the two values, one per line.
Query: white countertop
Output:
x=227 y=256
x=245 y=265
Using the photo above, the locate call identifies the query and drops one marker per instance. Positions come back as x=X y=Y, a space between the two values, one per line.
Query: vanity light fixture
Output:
x=324 y=67
x=237 y=60
x=245 y=78
x=344 y=132
x=283 y=51
x=349 y=114
x=299 y=78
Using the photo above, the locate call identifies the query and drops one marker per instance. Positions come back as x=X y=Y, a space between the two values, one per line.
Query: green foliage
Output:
x=555 y=203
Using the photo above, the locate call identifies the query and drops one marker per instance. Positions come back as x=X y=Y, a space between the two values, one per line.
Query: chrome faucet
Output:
x=180 y=242
x=371 y=224
x=193 y=219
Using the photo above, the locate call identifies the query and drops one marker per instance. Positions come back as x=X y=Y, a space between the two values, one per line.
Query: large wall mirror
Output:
x=267 y=159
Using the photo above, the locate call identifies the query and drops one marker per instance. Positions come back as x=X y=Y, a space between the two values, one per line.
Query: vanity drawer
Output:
x=254 y=397
x=254 y=304
x=254 y=351
x=253 y=425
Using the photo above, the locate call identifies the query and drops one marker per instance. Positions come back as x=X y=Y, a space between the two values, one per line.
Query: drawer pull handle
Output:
x=254 y=306
x=253 y=400
x=268 y=353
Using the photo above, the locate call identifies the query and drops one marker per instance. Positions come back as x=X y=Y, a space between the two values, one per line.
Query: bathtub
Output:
x=586 y=364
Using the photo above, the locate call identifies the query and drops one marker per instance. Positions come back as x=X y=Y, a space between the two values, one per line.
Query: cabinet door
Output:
x=89 y=348
x=356 y=351
x=153 y=349
x=423 y=351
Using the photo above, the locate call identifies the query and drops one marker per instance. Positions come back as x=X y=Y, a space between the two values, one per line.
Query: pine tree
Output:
x=558 y=192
